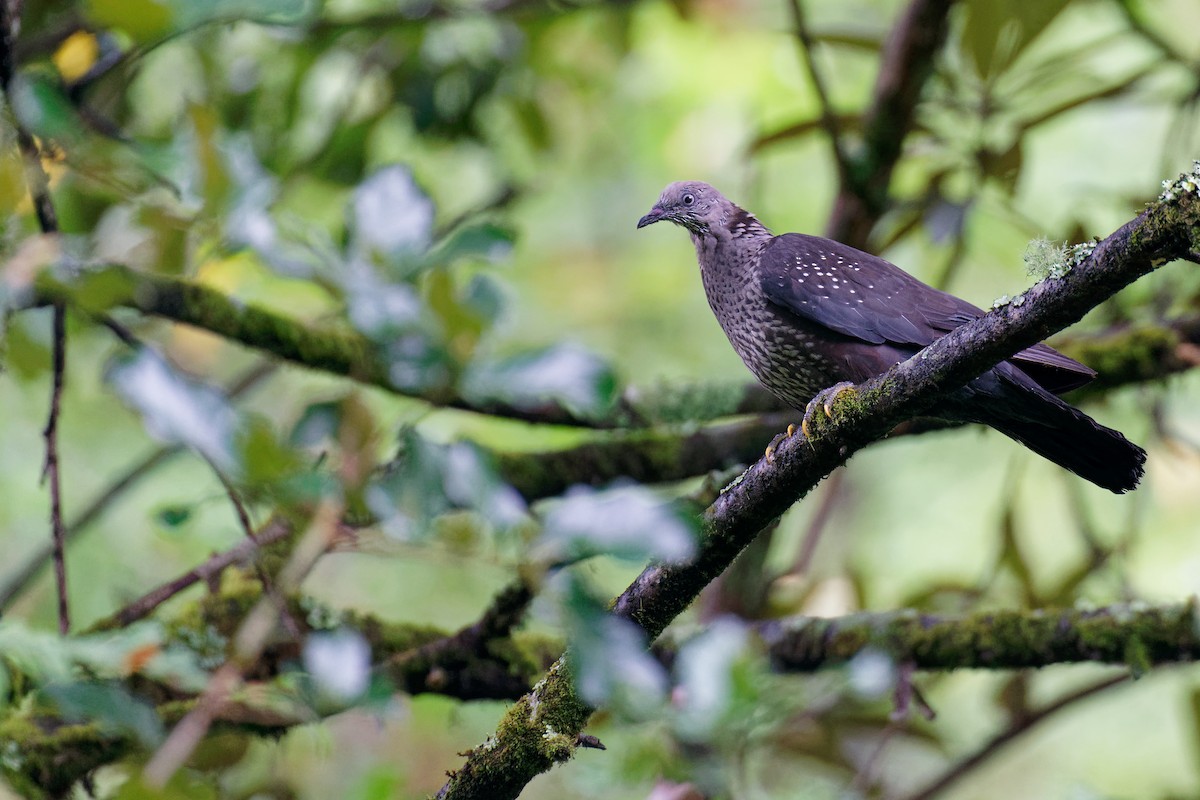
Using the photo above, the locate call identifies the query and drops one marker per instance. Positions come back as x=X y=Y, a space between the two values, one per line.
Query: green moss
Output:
x=1134 y=354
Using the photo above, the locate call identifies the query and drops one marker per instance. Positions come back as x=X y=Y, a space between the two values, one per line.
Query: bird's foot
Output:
x=823 y=400
x=779 y=439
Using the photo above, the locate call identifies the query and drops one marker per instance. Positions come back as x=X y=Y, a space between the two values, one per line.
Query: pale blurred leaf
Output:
x=391 y=215
x=704 y=670
x=562 y=373
x=608 y=657
x=627 y=521
x=339 y=662
x=176 y=408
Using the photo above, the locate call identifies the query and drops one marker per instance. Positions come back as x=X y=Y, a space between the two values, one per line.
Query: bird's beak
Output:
x=656 y=214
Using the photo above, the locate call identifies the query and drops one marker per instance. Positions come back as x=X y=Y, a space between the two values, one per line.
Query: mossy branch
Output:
x=1137 y=635
x=1168 y=229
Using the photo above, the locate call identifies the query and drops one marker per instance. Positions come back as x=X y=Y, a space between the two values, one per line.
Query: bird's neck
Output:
x=739 y=230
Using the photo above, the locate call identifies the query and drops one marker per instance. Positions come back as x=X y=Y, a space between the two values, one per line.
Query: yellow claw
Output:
x=770 y=454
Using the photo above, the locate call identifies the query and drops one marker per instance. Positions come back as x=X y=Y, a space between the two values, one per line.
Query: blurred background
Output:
x=263 y=148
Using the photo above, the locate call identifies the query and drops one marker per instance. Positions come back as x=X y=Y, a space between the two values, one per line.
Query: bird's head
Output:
x=694 y=205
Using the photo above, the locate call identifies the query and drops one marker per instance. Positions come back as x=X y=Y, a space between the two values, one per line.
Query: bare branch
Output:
x=38 y=184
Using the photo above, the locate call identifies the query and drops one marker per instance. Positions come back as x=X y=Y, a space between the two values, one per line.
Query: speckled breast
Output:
x=783 y=353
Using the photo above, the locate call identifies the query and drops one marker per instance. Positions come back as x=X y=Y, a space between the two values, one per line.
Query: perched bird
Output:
x=808 y=314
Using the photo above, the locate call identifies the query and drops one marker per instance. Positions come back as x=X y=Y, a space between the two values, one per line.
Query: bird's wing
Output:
x=855 y=293
x=865 y=297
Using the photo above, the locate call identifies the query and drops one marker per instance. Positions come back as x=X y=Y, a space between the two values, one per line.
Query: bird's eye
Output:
x=688 y=199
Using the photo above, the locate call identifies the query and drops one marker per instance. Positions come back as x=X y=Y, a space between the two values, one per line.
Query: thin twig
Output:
x=274 y=530
x=1021 y=725
x=829 y=119
x=50 y=470
x=19 y=580
x=243 y=517
x=247 y=646
x=38 y=184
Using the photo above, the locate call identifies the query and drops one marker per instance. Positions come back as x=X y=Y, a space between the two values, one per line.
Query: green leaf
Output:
x=628 y=522
x=319 y=423
x=173 y=517
x=190 y=13
x=143 y=20
x=996 y=32
x=39 y=103
x=562 y=373
x=483 y=241
x=108 y=705
x=26 y=355
x=266 y=460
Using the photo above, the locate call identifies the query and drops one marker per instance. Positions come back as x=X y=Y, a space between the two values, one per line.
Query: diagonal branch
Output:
x=1168 y=229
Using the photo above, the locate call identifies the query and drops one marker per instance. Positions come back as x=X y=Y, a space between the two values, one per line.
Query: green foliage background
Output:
x=540 y=133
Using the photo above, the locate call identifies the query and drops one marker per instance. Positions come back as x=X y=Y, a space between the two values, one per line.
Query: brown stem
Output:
x=1019 y=727
x=273 y=531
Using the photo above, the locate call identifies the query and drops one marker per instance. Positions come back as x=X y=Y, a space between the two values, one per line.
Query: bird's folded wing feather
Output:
x=865 y=297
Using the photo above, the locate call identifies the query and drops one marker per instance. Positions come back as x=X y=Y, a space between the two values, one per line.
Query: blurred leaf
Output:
x=172 y=517
x=380 y=782
x=175 y=408
x=426 y=480
x=45 y=658
x=12 y=178
x=76 y=55
x=561 y=373
x=108 y=705
x=379 y=309
x=213 y=181
x=266 y=461
x=628 y=522
x=704 y=671
x=608 y=656
x=484 y=240
x=1004 y=167
x=997 y=31
x=318 y=424
x=144 y=20
x=339 y=663
x=464 y=314
x=148 y=20
x=27 y=356
x=391 y=215
x=38 y=101
x=190 y=13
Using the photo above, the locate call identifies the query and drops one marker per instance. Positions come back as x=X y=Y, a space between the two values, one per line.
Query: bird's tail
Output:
x=1070 y=438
